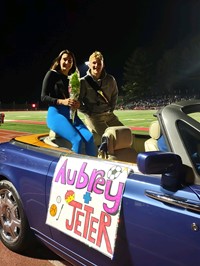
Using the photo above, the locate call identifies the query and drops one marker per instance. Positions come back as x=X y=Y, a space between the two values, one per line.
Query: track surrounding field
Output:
x=6 y=135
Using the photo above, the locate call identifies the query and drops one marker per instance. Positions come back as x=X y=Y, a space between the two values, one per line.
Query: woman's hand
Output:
x=69 y=102
x=75 y=105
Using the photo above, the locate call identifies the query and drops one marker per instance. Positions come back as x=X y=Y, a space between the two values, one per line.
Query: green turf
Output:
x=132 y=118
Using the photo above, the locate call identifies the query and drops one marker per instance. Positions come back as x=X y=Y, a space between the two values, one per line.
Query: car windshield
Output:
x=191 y=140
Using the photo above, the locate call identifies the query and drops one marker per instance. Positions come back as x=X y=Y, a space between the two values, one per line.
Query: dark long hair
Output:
x=56 y=62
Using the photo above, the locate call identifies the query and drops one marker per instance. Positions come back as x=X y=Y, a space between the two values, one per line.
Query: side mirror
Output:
x=168 y=164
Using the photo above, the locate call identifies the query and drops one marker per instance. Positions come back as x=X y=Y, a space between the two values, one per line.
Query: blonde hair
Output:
x=96 y=55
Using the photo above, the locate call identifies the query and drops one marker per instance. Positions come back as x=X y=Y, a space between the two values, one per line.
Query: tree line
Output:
x=150 y=72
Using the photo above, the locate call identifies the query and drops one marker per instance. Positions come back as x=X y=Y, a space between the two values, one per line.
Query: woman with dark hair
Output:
x=55 y=92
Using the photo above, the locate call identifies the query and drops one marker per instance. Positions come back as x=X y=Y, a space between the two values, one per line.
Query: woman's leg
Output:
x=63 y=127
x=87 y=137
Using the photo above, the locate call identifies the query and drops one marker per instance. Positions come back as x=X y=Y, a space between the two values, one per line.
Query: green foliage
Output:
x=174 y=71
x=75 y=84
x=138 y=74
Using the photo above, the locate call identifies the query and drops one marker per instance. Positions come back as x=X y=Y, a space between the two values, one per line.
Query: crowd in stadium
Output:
x=154 y=103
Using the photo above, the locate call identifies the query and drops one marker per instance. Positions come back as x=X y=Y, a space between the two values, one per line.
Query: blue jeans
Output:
x=76 y=133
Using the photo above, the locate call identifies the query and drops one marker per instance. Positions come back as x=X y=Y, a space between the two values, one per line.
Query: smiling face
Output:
x=96 y=64
x=66 y=63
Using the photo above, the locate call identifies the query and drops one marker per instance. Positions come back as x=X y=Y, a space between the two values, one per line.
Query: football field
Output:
x=35 y=121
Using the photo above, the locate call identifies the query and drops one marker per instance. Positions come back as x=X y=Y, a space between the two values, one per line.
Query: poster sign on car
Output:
x=85 y=201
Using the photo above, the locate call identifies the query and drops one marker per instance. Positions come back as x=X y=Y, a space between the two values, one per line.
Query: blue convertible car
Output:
x=133 y=205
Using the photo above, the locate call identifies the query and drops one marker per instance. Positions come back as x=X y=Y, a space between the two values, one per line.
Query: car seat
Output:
x=154 y=133
x=116 y=144
x=55 y=140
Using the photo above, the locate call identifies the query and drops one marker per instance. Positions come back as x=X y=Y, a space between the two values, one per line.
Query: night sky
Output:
x=33 y=32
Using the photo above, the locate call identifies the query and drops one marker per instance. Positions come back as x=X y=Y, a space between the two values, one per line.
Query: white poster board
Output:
x=85 y=201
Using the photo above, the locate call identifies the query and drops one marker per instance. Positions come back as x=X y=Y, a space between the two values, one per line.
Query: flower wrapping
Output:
x=74 y=91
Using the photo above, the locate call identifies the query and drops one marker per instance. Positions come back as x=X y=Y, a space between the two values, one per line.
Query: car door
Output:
x=162 y=227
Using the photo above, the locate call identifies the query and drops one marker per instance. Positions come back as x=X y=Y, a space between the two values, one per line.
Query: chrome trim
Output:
x=174 y=200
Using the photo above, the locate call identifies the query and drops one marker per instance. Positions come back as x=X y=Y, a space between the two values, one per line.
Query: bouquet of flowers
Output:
x=74 y=90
